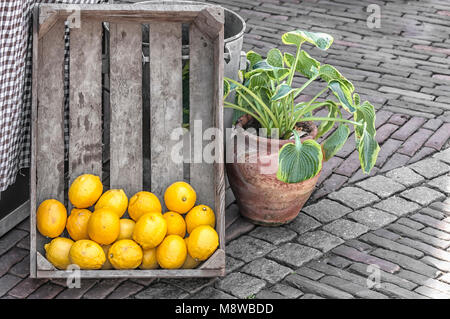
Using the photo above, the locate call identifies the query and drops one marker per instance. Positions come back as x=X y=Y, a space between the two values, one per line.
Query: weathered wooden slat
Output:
x=166 y=105
x=85 y=103
x=126 y=107
x=201 y=96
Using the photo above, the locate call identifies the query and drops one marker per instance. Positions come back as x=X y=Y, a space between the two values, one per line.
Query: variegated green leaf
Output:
x=335 y=141
x=357 y=99
x=344 y=95
x=253 y=58
x=282 y=91
x=329 y=73
x=306 y=65
x=257 y=80
x=366 y=113
x=368 y=149
x=275 y=58
x=321 y=40
x=300 y=161
x=263 y=66
x=226 y=88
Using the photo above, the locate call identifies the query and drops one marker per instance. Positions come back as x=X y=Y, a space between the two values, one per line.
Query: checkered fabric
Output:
x=15 y=85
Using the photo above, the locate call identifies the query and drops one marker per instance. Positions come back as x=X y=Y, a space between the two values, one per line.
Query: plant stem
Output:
x=294 y=66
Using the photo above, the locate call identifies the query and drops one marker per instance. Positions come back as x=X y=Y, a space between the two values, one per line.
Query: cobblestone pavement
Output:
x=381 y=236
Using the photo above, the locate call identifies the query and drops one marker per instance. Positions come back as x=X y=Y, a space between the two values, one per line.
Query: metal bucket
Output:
x=234 y=29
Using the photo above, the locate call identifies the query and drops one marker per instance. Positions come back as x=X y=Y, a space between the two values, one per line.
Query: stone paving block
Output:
x=414 y=234
x=432 y=222
x=266 y=269
x=303 y=223
x=309 y=273
x=311 y=296
x=351 y=288
x=436 y=233
x=240 y=285
x=103 y=288
x=372 y=218
x=386 y=234
x=433 y=124
x=211 y=293
x=337 y=261
x=248 y=248
x=238 y=228
x=350 y=165
x=356 y=255
x=357 y=244
x=443 y=156
x=274 y=235
x=409 y=128
x=396 y=161
x=397 y=206
x=415 y=142
x=392 y=245
x=190 y=285
x=430 y=168
x=432 y=293
x=286 y=291
x=7 y=282
x=330 y=270
x=387 y=149
x=433 y=213
x=10 y=239
x=427 y=249
x=320 y=240
x=9 y=259
x=317 y=288
x=268 y=294
x=441 y=207
x=328 y=169
x=26 y=287
x=382 y=186
x=231 y=214
x=24 y=243
x=231 y=264
x=399 y=119
x=46 y=291
x=442 y=183
x=125 y=290
x=21 y=269
x=334 y=182
x=365 y=271
x=422 y=195
x=406 y=262
x=439 y=264
x=385 y=131
x=326 y=210
x=354 y=197
x=77 y=293
x=421 y=154
x=294 y=255
x=438 y=139
x=161 y=290
x=398 y=292
x=345 y=229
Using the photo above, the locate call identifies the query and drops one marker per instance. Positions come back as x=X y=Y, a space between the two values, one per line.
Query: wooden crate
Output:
x=126 y=160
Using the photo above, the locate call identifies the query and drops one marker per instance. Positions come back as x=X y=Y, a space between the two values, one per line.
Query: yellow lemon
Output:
x=125 y=254
x=180 y=197
x=77 y=223
x=149 y=259
x=172 y=252
x=106 y=265
x=51 y=218
x=87 y=254
x=142 y=203
x=85 y=190
x=150 y=230
x=57 y=252
x=175 y=224
x=126 y=228
x=104 y=226
x=115 y=199
x=203 y=242
x=200 y=215
x=190 y=262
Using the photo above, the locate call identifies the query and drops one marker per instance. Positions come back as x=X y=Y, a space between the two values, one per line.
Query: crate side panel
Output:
x=201 y=114
x=49 y=160
x=85 y=103
x=126 y=107
x=166 y=105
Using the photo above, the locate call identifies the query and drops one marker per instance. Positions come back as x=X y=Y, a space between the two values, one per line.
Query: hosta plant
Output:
x=267 y=94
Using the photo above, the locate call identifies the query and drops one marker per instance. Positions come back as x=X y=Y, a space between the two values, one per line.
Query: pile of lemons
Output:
x=102 y=239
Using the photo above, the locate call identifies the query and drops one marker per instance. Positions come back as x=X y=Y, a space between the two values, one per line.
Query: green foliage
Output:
x=267 y=94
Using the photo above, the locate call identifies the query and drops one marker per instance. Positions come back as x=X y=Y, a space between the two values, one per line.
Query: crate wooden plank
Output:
x=126 y=107
x=166 y=105
x=85 y=102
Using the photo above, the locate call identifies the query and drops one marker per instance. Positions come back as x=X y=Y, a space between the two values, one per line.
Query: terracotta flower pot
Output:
x=261 y=197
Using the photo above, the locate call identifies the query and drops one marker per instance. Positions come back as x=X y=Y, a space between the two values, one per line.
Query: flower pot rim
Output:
x=238 y=128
